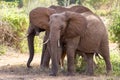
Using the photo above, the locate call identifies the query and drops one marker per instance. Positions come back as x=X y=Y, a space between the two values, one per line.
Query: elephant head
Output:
x=40 y=17
x=65 y=25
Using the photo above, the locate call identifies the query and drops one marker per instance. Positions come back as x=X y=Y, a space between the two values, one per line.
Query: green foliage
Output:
x=2 y=49
x=101 y=68
x=20 y=2
x=31 y=4
x=4 y=5
x=10 y=0
x=102 y=12
x=19 y=24
x=80 y=64
x=39 y=42
x=115 y=60
x=115 y=28
x=68 y=2
x=95 y=3
x=16 y=26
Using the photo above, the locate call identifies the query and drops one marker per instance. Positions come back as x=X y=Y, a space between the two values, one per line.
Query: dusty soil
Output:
x=13 y=67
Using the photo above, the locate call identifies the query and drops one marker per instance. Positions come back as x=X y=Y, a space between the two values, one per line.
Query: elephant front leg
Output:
x=72 y=45
x=70 y=61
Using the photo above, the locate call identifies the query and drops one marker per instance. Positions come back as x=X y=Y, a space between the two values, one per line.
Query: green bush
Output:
x=101 y=68
x=115 y=28
x=14 y=24
x=19 y=24
x=2 y=49
x=14 y=27
x=4 y=4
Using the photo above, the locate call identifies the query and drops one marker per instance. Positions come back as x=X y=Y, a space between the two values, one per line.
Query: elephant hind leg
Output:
x=104 y=51
x=90 y=64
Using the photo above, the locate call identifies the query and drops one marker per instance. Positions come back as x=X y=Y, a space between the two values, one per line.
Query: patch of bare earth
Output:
x=13 y=67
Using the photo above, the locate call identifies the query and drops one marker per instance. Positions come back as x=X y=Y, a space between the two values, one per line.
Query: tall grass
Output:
x=16 y=28
x=31 y=4
x=18 y=22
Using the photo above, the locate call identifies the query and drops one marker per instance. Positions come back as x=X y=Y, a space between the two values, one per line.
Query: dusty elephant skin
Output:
x=39 y=18
x=84 y=32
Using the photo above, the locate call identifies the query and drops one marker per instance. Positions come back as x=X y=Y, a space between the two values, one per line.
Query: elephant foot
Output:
x=28 y=66
x=52 y=74
x=89 y=73
x=109 y=73
x=70 y=74
x=44 y=69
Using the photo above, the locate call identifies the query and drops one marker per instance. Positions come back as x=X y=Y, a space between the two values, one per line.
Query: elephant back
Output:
x=94 y=34
x=77 y=8
x=80 y=9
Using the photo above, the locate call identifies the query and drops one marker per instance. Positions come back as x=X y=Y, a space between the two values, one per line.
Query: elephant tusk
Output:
x=58 y=43
x=46 y=41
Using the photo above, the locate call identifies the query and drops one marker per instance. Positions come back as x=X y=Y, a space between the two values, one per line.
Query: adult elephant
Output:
x=84 y=32
x=39 y=18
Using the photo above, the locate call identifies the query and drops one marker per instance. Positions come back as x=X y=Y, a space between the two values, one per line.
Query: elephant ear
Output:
x=76 y=24
x=40 y=17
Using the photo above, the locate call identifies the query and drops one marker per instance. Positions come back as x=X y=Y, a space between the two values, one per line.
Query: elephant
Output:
x=84 y=32
x=39 y=18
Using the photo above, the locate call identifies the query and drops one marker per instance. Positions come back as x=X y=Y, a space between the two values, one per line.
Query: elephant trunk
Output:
x=30 y=39
x=55 y=50
x=32 y=31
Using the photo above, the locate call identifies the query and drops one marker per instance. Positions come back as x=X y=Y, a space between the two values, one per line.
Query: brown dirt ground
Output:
x=13 y=67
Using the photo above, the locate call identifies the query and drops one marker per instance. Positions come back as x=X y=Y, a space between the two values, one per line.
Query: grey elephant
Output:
x=84 y=32
x=39 y=18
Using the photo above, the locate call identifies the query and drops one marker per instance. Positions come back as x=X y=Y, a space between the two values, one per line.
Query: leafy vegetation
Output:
x=115 y=28
x=100 y=64
x=17 y=24
x=14 y=24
